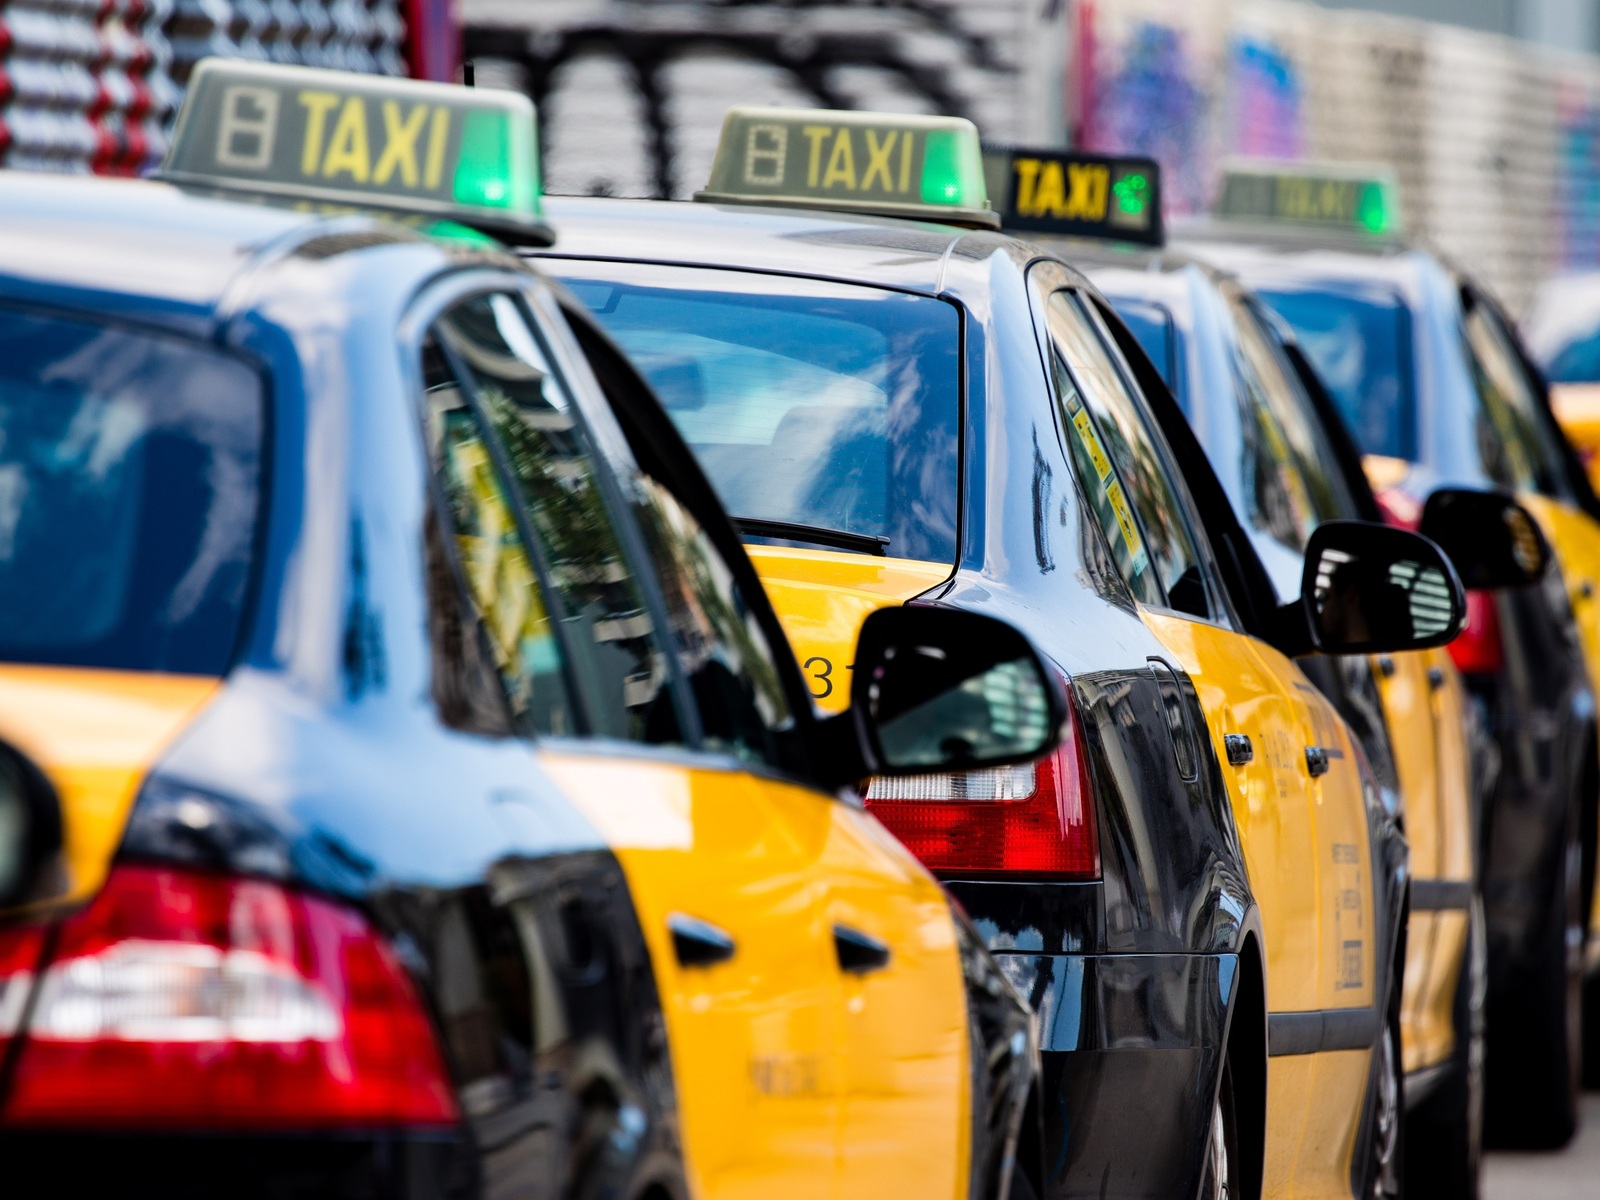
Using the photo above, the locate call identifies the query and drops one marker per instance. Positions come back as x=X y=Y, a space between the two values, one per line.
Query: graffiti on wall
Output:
x=1264 y=100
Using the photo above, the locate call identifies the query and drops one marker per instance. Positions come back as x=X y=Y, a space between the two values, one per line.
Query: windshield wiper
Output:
x=839 y=539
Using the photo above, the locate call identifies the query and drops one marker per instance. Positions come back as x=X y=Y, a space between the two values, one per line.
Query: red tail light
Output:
x=1399 y=509
x=1476 y=649
x=1031 y=820
x=182 y=1000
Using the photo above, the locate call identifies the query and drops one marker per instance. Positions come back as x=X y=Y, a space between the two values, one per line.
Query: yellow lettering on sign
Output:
x=317 y=106
x=905 y=161
x=815 y=134
x=1090 y=186
x=347 y=148
x=841 y=162
x=1097 y=455
x=1027 y=170
x=400 y=144
x=1049 y=198
x=878 y=160
x=438 y=139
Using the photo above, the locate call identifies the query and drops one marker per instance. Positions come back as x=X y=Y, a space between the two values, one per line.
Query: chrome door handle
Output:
x=1239 y=749
x=858 y=953
x=1316 y=761
x=699 y=943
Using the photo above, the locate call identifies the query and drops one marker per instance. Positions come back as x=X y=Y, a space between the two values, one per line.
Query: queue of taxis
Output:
x=1282 y=454
x=420 y=794
x=1437 y=393
x=1202 y=893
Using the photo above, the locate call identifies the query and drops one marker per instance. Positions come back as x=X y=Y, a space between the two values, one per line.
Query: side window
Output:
x=1513 y=442
x=1290 y=473
x=542 y=553
x=1125 y=472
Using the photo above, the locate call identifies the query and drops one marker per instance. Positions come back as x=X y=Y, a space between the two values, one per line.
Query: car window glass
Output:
x=1291 y=478
x=1152 y=325
x=1120 y=464
x=1513 y=442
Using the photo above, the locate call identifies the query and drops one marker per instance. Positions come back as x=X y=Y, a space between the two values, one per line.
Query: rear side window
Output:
x=1153 y=327
x=1125 y=473
x=130 y=482
x=1515 y=445
x=1360 y=345
x=827 y=407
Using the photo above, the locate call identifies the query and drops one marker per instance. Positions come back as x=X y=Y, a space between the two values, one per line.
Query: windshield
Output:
x=1577 y=361
x=1361 y=348
x=822 y=405
x=129 y=480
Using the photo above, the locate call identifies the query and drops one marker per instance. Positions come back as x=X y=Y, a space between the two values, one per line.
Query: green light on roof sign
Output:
x=881 y=163
x=466 y=154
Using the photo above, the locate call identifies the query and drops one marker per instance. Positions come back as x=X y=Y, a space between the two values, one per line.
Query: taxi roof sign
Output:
x=1360 y=197
x=468 y=155
x=1076 y=194
x=884 y=164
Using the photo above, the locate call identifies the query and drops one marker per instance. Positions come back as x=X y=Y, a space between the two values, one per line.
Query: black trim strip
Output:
x=1431 y=895
x=1321 y=1031
x=840 y=539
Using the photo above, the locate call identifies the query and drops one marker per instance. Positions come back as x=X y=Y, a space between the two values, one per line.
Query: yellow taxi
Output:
x=901 y=406
x=437 y=802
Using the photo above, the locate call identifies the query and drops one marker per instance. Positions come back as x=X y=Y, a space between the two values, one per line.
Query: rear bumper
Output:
x=1132 y=1046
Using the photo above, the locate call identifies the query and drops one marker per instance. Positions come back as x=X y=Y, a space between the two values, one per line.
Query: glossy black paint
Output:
x=1160 y=938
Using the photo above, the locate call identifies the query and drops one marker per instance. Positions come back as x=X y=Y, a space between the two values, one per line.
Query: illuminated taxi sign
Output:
x=467 y=154
x=887 y=164
x=1360 y=197
x=1076 y=194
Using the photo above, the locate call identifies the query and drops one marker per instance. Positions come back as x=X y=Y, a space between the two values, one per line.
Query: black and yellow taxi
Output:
x=1434 y=388
x=438 y=808
x=1283 y=456
x=902 y=406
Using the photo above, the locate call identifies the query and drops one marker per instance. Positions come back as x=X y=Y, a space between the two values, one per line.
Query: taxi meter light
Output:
x=884 y=164
x=1076 y=194
x=1360 y=197
x=469 y=155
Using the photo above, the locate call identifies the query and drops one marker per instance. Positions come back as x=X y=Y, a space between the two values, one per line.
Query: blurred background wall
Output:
x=1490 y=112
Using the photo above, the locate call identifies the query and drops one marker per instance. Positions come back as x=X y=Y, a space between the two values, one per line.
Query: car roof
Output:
x=884 y=252
x=151 y=251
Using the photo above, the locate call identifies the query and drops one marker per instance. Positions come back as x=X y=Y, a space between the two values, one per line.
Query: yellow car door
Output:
x=1293 y=779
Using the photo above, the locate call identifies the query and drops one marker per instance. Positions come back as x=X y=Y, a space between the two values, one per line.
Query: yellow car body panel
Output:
x=1577 y=408
x=96 y=734
x=1574 y=537
x=794 y=1080
x=821 y=598
x=1308 y=851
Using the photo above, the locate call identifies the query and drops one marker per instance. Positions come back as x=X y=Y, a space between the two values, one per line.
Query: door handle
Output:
x=1240 y=751
x=858 y=953
x=1585 y=589
x=1435 y=678
x=699 y=943
x=1316 y=761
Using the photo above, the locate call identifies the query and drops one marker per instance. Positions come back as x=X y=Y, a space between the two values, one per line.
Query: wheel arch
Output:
x=1247 y=1048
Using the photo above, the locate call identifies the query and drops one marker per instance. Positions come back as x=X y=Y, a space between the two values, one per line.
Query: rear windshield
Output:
x=828 y=406
x=1361 y=347
x=129 y=481
x=1152 y=325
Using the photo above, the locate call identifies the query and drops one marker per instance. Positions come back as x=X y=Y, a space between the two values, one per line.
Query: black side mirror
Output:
x=31 y=865
x=1373 y=589
x=942 y=689
x=1491 y=540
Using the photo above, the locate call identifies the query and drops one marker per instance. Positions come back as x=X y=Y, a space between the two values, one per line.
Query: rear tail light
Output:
x=1476 y=649
x=1399 y=508
x=1035 y=820
x=180 y=1000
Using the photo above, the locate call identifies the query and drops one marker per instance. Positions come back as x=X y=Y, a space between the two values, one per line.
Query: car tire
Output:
x=1444 y=1134
x=1219 y=1179
x=1591 y=1032
x=1386 y=1121
x=1536 y=1039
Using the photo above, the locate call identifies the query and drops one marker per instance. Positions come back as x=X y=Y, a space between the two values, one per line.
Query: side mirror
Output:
x=1490 y=539
x=941 y=689
x=1373 y=589
x=30 y=832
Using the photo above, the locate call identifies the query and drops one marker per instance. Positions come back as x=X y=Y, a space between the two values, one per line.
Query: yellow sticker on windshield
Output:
x=1125 y=522
x=1091 y=442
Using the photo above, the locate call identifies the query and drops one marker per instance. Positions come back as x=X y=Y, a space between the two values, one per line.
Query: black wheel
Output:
x=1219 y=1179
x=1386 y=1133
x=1444 y=1134
x=1535 y=1040
x=1591 y=1032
